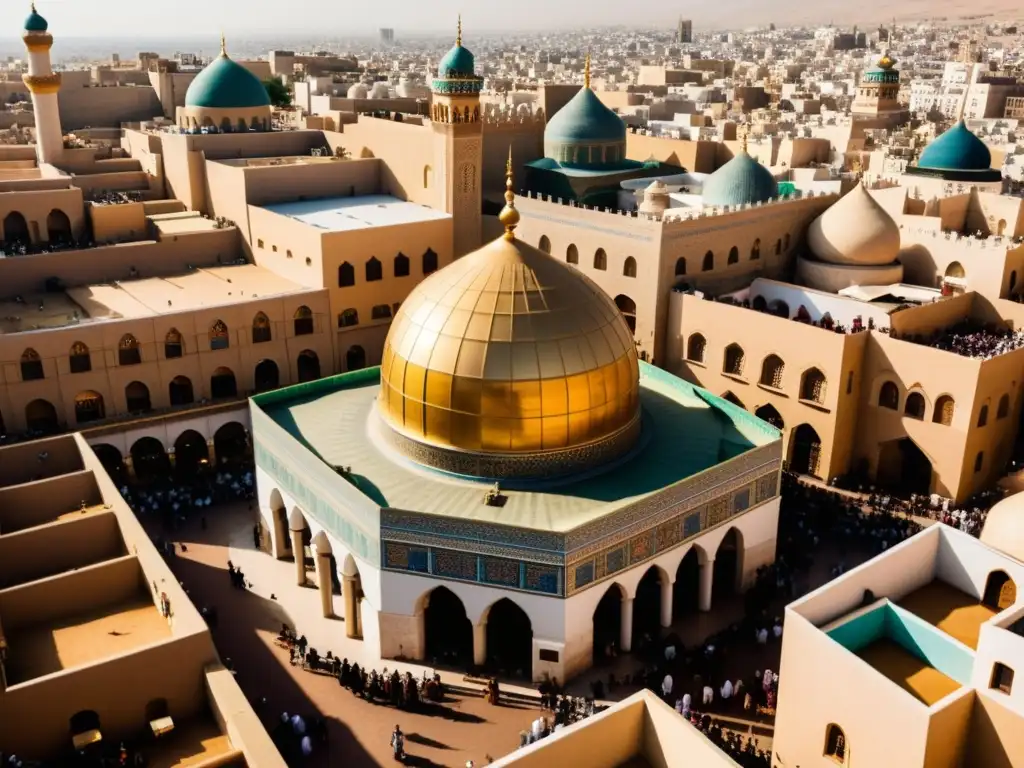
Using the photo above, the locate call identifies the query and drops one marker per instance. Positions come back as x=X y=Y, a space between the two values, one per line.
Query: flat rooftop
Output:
x=23 y=524
x=339 y=423
x=916 y=677
x=190 y=743
x=70 y=642
x=954 y=612
x=145 y=297
x=342 y=214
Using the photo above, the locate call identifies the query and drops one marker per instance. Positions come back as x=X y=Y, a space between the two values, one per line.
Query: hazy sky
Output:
x=148 y=18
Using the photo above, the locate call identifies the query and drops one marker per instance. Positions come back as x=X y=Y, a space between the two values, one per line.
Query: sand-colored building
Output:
x=87 y=603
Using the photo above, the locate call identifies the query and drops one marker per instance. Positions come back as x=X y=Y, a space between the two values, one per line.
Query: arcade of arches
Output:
x=148 y=459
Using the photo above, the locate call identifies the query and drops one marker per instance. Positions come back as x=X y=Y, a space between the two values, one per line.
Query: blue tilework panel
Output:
x=542 y=578
x=501 y=572
x=455 y=565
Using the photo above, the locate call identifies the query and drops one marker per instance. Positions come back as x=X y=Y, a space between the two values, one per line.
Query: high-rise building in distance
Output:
x=685 y=31
x=387 y=35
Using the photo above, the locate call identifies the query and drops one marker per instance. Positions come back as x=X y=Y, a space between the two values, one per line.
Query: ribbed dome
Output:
x=35 y=22
x=458 y=62
x=1004 y=526
x=508 y=351
x=226 y=84
x=956 y=150
x=584 y=120
x=855 y=231
x=741 y=181
x=357 y=91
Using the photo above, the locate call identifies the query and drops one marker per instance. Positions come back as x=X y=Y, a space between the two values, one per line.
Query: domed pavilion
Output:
x=585 y=153
x=227 y=97
x=855 y=242
x=741 y=181
x=500 y=488
x=957 y=155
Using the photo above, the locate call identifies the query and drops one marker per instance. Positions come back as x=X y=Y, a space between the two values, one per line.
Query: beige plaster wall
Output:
x=58 y=547
x=947 y=733
x=996 y=739
x=92 y=107
x=696 y=156
x=21 y=462
x=23 y=506
x=111 y=223
x=237 y=719
x=35 y=206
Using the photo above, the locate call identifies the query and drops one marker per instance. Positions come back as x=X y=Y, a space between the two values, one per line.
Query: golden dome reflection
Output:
x=507 y=351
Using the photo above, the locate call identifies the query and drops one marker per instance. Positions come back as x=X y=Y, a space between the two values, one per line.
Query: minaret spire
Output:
x=458 y=34
x=509 y=216
x=223 y=45
x=586 y=72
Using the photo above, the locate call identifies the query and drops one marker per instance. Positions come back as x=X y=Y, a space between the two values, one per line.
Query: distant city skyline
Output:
x=117 y=19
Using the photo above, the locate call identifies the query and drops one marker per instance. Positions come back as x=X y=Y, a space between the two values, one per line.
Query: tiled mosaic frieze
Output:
x=471 y=530
x=463 y=566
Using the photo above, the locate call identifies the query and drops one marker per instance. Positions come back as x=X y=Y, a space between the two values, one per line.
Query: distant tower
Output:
x=685 y=31
x=44 y=84
x=878 y=94
x=458 y=142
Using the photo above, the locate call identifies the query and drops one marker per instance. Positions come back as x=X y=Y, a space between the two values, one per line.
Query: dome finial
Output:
x=744 y=130
x=458 y=34
x=223 y=45
x=509 y=216
x=33 y=7
x=586 y=72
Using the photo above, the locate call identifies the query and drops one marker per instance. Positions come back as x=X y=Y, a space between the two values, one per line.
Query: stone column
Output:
x=666 y=603
x=171 y=457
x=626 y=625
x=300 y=558
x=325 y=583
x=349 y=587
x=212 y=451
x=129 y=466
x=480 y=643
x=707 y=575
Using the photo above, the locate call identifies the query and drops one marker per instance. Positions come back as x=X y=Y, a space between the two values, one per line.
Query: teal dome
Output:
x=740 y=181
x=956 y=150
x=35 y=22
x=225 y=84
x=458 y=62
x=584 y=120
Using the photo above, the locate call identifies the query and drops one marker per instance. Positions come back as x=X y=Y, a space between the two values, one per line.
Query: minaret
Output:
x=458 y=143
x=44 y=84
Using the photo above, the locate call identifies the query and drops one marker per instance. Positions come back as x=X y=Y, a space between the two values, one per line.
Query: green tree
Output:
x=278 y=92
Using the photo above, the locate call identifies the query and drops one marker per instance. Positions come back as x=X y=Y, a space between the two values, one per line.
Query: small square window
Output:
x=547 y=654
x=1002 y=678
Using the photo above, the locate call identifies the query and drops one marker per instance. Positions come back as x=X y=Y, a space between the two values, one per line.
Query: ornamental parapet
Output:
x=458 y=85
x=38 y=41
x=42 y=83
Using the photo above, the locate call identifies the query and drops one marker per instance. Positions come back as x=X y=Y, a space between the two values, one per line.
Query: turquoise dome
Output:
x=584 y=120
x=740 y=181
x=956 y=150
x=35 y=22
x=225 y=84
x=458 y=62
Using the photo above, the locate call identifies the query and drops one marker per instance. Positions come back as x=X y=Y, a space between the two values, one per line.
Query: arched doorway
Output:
x=545 y=244
x=136 y=397
x=628 y=309
x=308 y=365
x=804 y=451
x=15 y=229
x=903 y=466
x=180 y=391
x=647 y=608
x=608 y=624
x=191 y=453
x=509 y=640
x=733 y=399
x=768 y=413
x=58 y=227
x=231 y=444
x=355 y=358
x=41 y=417
x=728 y=566
x=89 y=407
x=686 y=589
x=149 y=459
x=267 y=376
x=1000 y=591
x=111 y=460
x=222 y=384
x=448 y=635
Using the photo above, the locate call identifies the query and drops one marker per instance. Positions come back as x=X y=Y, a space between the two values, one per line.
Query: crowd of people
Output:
x=969 y=339
x=176 y=499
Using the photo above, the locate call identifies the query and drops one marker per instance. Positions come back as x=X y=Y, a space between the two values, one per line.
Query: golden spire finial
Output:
x=223 y=45
x=586 y=72
x=458 y=34
x=509 y=216
x=33 y=7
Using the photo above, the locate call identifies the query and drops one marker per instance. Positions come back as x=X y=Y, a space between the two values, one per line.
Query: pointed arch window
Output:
x=219 y=338
x=303 y=321
x=80 y=361
x=429 y=262
x=31 y=366
x=128 y=351
x=174 y=346
x=261 y=329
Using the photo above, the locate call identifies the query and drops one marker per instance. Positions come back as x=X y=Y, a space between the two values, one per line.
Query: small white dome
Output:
x=380 y=91
x=855 y=231
x=357 y=91
x=1004 y=526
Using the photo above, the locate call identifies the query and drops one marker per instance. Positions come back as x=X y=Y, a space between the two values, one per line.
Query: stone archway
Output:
x=112 y=461
x=649 y=608
x=447 y=631
x=804 y=451
x=231 y=444
x=1000 y=591
x=191 y=453
x=509 y=637
x=727 y=579
x=607 y=620
x=149 y=459
x=686 y=590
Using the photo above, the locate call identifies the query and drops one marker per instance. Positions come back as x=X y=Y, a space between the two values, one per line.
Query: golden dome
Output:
x=508 y=354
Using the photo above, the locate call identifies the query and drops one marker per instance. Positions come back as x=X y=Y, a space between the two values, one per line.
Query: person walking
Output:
x=398 y=744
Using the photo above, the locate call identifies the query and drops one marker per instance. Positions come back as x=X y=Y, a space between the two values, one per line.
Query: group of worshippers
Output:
x=399 y=690
x=745 y=751
x=177 y=500
x=969 y=339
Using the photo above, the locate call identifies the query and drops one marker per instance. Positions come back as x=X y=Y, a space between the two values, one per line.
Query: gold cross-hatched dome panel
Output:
x=508 y=350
